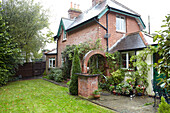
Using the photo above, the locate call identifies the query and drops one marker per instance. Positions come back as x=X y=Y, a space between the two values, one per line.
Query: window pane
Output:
x=124 y=64
x=124 y=61
x=132 y=53
x=53 y=62
x=120 y=23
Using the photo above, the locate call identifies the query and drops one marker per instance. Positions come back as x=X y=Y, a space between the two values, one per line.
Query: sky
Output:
x=156 y=9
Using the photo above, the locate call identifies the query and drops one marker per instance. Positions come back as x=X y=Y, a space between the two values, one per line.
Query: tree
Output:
x=9 y=53
x=26 y=20
x=163 y=38
x=76 y=68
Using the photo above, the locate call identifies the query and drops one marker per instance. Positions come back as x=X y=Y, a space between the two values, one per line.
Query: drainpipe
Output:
x=106 y=28
x=56 y=54
x=107 y=42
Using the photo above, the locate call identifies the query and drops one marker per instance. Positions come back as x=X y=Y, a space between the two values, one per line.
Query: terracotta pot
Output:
x=96 y=96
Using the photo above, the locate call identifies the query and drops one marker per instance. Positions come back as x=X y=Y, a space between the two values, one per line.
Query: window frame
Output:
x=120 y=30
x=127 y=59
x=53 y=64
x=64 y=36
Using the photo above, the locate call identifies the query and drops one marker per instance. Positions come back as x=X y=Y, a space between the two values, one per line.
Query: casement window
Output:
x=51 y=62
x=125 y=59
x=120 y=23
x=64 y=36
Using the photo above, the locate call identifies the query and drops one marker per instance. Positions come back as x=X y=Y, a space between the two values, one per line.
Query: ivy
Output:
x=113 y=61
x=83 y=48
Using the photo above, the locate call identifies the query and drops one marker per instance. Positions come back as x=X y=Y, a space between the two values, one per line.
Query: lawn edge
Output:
x=82 y=97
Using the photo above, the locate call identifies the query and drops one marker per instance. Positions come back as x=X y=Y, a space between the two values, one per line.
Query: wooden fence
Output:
x=31 y=69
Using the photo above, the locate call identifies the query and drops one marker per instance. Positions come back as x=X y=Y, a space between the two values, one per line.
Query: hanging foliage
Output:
x=68 y=53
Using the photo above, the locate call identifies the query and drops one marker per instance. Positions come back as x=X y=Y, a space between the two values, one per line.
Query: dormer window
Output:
x=120 y=23
x=64 y=36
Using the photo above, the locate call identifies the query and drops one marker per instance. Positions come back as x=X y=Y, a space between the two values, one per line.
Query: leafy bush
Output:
x=55 y=74
x=163 y=106
x=9 y=53
x=118 y=76
x=76 y=68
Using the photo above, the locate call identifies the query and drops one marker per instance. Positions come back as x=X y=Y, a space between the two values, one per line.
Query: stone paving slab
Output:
x=124 y=104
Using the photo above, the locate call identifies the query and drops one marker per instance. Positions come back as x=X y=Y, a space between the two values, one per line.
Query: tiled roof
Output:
x=53 y=51
x=98 y=9
x=132 y=41
x=97 y=12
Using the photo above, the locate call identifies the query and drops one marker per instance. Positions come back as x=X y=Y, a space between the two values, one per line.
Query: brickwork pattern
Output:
x=87 y=85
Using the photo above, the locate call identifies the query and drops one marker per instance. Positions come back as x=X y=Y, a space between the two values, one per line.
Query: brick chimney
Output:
x=94 y=2
x=74 y=12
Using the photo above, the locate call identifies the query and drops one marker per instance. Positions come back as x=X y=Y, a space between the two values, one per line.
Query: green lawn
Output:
x=38 y=96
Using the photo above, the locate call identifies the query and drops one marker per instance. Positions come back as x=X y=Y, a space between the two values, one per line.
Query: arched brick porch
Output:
x=87 y=57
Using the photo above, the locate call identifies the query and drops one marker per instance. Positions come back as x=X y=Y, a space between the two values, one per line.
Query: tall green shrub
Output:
x=163 y=106
x=9 y=53
x=76 y=68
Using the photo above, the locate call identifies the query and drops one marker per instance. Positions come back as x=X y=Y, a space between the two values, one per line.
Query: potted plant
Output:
x=96 y=94
x=140 y=90
x=111 y=88
x=119 y=89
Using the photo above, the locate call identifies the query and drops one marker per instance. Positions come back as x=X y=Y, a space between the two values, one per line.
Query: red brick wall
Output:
x=131 y=26
x=93 y=31
x=80 y=35
x=87 y=85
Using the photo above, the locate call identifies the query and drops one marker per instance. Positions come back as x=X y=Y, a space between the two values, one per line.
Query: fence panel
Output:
x=31 y=69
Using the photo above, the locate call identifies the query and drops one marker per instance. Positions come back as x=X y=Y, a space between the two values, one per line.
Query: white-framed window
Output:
x=125 y=59
x=51 y=62
x=120 y=23
x=64 y=35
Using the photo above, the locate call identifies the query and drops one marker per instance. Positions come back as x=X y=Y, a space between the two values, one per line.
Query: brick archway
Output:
x=87 y=57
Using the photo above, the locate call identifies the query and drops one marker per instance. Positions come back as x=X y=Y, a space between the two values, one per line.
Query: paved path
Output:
x=125 y=104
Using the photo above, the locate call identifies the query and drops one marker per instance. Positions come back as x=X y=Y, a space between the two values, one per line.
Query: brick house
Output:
x=50 y=59
x=118 y=27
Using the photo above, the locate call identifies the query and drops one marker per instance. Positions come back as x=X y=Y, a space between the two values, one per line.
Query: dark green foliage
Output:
x=113 y=61
x=96 y=64
x=9 y=52
x=164 y=107
x=67 y=57
x=163 y=38
x=76 y=68
x=55 y=74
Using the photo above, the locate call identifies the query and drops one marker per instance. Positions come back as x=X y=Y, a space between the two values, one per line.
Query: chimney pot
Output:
x=74 y=6
x=78 y=6
x=71 y=5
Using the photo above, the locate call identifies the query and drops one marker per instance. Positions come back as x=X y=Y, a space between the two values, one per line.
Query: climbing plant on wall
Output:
x=141 y=74
x=68 y=53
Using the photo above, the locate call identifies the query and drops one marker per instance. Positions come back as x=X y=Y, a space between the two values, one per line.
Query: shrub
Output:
x=163 y=106
x=55 y=74
x=118 y=76
x=76 y=68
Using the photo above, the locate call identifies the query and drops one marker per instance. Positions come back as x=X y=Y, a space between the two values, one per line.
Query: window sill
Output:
x=123 y=32
x=64 y=40
x=128 y=69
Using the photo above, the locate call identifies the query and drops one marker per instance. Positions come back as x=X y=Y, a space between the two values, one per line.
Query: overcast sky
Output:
x=157 y=9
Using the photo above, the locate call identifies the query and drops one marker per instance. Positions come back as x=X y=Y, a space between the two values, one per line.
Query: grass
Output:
x=38 y=96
